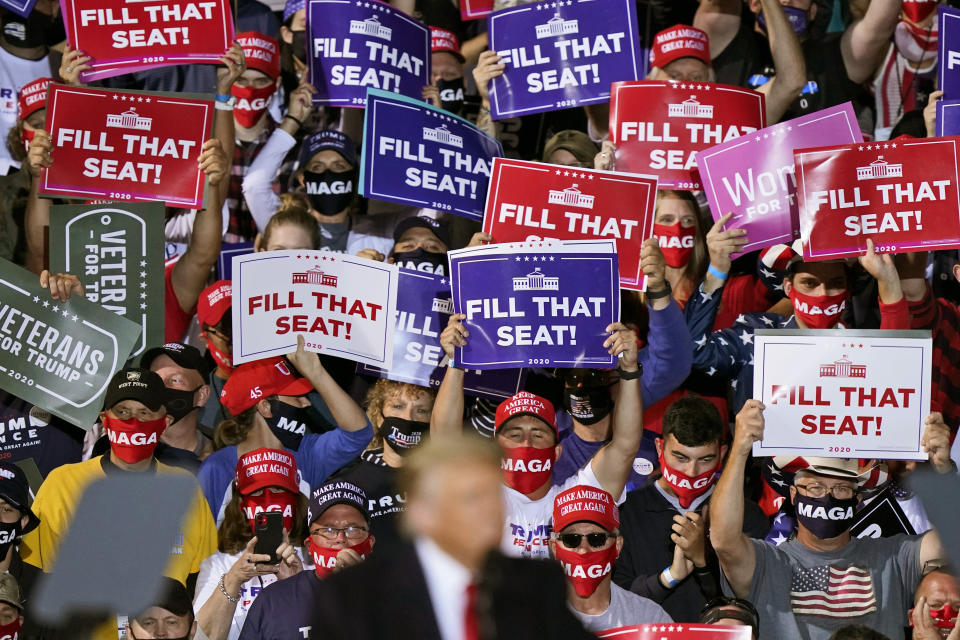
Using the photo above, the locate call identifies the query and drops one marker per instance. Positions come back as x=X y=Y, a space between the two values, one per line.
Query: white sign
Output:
x=342 y=305
x=842 y=393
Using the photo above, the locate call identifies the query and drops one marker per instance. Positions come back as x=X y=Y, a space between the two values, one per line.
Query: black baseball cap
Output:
x=184 y=355
x=132 y=383
x=172 y=596
x=15 y=490
x=439 y=229
x=328 y=139
x=337 y=492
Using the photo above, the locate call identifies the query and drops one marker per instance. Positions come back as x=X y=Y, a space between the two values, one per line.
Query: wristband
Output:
x=297 y=120
x=222 y=106
x=668 y=578
x=631 y=375
x=716 y=273
x=663 y=293
x=223 y=590
x=223 y=97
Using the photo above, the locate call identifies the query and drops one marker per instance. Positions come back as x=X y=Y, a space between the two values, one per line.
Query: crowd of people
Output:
x=333 y=504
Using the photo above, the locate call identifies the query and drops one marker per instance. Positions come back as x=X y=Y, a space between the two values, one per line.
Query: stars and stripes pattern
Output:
x=832 y=592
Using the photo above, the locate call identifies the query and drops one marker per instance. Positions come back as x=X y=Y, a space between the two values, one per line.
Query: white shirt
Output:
x=529 y=523
x=14 y=74
x=447 y=582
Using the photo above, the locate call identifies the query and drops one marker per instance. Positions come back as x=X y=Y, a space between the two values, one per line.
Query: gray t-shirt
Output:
x=805 y=594
x=625 y=609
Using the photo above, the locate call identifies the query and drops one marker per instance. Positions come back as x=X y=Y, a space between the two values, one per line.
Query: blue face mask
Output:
x=797 y=18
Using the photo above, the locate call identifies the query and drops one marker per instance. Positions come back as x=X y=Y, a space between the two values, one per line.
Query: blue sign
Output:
x=423 y=308
x=948 y=78
x=535 y=307
x=225 y=261
x=20 y=7
x=355 y=45
x=562 y=54
x=948 y=118
x=416 y=154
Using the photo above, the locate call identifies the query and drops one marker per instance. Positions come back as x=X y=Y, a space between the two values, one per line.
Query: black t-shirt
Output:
x=384 y=501
x=746 y=61
x=283 y=610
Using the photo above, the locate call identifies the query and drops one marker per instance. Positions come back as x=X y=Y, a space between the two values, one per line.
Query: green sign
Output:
x=117 y=252
x=58 y=355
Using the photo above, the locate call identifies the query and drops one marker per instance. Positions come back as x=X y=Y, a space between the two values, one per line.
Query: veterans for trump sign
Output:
x=123 y=36
x=536 y=304
x=842 y=393
x=354 y=45
x=658 y=127
x=415 y=154
x=58 y=355
x=753 y=176
x=117 y=252
x=902 y=194
x=679 y=631
x=423 y=309
x=562 y=54
x=126 y=145
x=342 y=305
x=530 y=201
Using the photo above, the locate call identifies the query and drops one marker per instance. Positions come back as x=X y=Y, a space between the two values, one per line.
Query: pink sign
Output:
x=753 y=176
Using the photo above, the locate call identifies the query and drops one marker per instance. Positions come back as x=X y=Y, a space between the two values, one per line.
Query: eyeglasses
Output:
x=596 y=539
x=332 y=533
x=840 y=491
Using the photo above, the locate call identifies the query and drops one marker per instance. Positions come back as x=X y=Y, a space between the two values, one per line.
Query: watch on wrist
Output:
x=662 y=293
x=631 y=375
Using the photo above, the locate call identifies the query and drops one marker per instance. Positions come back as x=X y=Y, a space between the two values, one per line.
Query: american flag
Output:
x=833 y=592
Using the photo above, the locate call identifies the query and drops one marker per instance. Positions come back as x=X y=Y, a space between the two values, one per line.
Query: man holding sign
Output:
x=833 y=578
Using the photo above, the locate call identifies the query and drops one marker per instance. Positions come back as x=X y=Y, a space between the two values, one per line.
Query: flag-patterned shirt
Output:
x=870 y=581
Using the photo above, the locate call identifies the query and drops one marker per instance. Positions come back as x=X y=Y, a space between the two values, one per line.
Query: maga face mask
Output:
x=676 y=242
x=918 y=10
x=687 y=488
x=422 y=260
x=133 y=440
x=526 y=469
x=289 y=423
x=329 y=192
x=402 y=435
x=282 y=501
x=223 y=359
x=26 y=135
x=818 y=312
x=10 y=631
x=586 y=570
x=9 y=532
x=252 y=103
x=325 y=558
x=825 y=517
x=451 y=95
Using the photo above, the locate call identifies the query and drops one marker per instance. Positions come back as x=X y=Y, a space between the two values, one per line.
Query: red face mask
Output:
x=676 y=242
x=526 y=469
x=133 y=440
x=918 y=10
x=818 y=312
x=26 y=135
x=223 y=360
x=944 y=618
x=586 y=571
x=10 y=631
x=325 y=558
x=282 y=501
x=251 y=103
x=687 y=488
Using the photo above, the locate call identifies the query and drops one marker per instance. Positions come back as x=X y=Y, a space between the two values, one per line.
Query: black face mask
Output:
x=9 y=532
x=300 y=44
x=37 y=29
x=402 y=435
x=825 y=517
x=291 y=423
x=329 y=192
x=422 y=260
x=133 y=637
x=451 y=95
x=179 y=403
x=587 y=405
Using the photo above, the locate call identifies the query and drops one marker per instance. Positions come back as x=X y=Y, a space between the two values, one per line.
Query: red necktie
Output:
x=471 y=627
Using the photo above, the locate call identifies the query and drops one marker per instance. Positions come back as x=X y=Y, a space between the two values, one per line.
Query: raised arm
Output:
x=224 y=128
x=488 y=67
x=447 y=416
x=37 y=216
x=784 y=88
x=346 y=413
x=190 y=273
x=721 y=20
x=936 y=444
x=866 y=40
x=733 y=547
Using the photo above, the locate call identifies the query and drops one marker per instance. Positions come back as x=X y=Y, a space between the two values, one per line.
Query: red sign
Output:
x=659 y=127
x=473 y=9
x=529 y=201
x=123 y=36
x=901 y=194
x=126 y=145
x=679 y=631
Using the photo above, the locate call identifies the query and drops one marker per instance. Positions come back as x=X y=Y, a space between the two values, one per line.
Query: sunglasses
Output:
x=596 y=539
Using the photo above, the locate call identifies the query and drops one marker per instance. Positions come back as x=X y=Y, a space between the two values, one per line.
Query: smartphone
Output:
x=268 y=527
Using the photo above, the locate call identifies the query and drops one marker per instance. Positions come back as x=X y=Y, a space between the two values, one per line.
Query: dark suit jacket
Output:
x=386 y=597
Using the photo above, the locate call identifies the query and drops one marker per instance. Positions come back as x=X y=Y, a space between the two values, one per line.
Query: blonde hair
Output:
x=377 y=397
x=292 y=211
x=234 y=430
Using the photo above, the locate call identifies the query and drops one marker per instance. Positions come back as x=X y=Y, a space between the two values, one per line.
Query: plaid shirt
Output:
x=242 y=228
x=943 y=318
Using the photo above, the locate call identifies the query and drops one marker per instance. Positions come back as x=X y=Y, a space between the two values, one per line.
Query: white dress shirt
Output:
x=447 y=582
